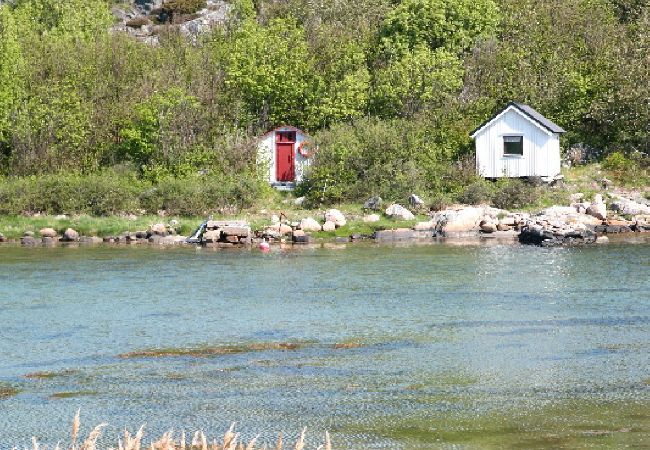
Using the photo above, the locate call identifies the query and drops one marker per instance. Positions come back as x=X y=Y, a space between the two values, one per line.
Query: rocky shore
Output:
x=582 y=222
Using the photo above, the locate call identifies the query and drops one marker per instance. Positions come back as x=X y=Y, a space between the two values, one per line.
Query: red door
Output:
x=284 y=156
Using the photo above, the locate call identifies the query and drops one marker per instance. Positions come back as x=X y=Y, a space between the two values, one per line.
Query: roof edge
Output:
x=521 y=111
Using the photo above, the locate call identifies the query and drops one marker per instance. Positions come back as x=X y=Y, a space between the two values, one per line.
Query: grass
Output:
x=586 y=179
x=47 y=375
x=561 y=424
x=230 y=440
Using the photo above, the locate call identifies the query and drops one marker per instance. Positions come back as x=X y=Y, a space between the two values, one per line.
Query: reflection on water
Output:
x=410 y=346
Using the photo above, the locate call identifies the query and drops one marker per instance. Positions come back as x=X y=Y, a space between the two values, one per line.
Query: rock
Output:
x=159 y=228
x=48 y=241
x=28 y=234
x=425 y=226
x=488 y=227
x=396 y=211
x=597 y=208
x=503 y=227
x=141 y=234
x=211 y=236
x=415 y=201
x=575 y=198
x=61 y=217
x=373 y=203
x=279 y=229
x=371 y=218
x=275 y=219
x=399 y=234
x=329 y=226
x=309 y=224
x=299 y=201
x=629 y=207
x=460 y=221
x=336 y=216
x=70 y=235
x=300 y=237
x=29 y=241
x=90 y=240
x=642 y=222
x=602 y=240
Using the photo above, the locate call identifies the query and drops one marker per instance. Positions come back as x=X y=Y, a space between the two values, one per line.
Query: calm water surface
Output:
x=461 y=346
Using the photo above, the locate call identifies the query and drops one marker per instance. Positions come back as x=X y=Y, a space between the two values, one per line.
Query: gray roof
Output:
x=531 y=113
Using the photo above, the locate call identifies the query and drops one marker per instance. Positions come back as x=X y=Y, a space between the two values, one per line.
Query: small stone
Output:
x=29 y=240
x=602 y=240
x=329 y=226
x=503 y=227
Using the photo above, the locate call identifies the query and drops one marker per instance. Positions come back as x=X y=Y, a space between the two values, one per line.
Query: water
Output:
x=454 y=346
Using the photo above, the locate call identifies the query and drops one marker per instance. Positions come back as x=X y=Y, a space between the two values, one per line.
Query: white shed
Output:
x=286 y=152
x=518 y=142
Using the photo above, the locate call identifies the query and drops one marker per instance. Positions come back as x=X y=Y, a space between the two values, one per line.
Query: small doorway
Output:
x=285 y=156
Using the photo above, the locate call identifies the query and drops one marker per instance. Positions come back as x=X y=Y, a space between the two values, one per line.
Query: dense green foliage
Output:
x=389 y=88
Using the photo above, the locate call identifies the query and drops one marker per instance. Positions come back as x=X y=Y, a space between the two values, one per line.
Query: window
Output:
x=513 y=145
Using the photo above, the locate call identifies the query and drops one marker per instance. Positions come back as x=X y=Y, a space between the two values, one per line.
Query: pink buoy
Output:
x=265 y=246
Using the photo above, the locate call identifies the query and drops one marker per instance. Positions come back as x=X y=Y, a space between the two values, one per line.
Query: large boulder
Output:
x=459 y=221
x=373 y=203
x=48 y=232
x=396 y=211
x=70 y=235
x=336 y=216
x=310 y=224
x=629 y=207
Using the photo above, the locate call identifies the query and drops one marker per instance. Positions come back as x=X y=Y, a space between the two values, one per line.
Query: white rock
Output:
x=309 y=224
x=371 y=218
x=329 y=226
x=299 y=201
x=336 y=216
x=396 y=211
x=425 y=226
x=275 y=219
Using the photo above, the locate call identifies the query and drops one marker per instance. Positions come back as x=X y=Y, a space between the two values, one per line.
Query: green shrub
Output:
x=617 y=162
x=481 y=191
x=515 y=194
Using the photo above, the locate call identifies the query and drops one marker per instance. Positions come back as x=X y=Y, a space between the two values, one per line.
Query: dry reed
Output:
x=231 y=440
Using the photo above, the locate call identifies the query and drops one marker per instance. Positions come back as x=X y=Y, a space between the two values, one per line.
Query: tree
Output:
x=11 y=75
x=453 y=24
x=421 y=77
x=271 y=69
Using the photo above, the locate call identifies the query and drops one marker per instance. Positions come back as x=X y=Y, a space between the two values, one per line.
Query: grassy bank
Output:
x=110 y=204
